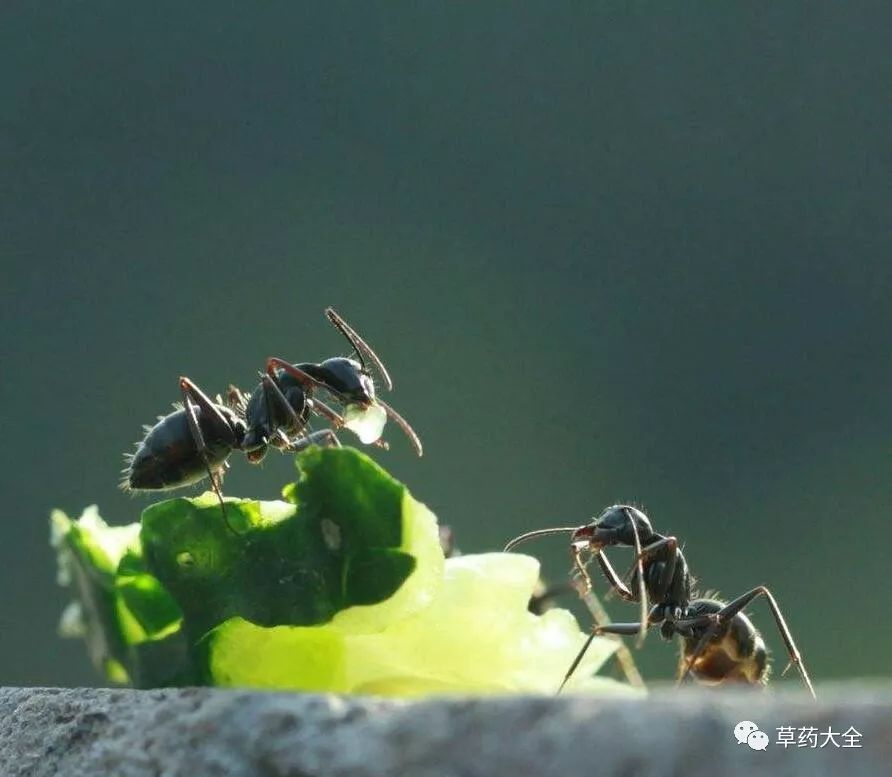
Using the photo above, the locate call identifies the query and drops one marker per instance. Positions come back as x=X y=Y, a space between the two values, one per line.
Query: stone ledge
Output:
x=200 y=732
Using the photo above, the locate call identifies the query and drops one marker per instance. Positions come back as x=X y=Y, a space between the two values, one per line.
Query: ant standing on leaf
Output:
x=195 y=440
x=719 y=643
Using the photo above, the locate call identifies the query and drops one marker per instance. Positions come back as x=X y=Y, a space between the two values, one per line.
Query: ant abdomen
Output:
x=736 y=653
x=168 y=456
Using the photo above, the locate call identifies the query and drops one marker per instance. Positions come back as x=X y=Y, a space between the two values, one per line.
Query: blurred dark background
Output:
x=610 y=252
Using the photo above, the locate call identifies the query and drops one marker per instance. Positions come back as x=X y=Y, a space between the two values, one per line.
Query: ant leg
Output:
x=666 y=550
x=658 y=548
x=576 y=660
x=617 y=585
x=642 y=591
x=625 y=629
x=733 y=608
x=622 y=629
x=193 y=400
x=713 y=623
x=623 y=655
x=359 y=345
x=404 y=425
x=217 y=486
x=322 y=437
x=320 y=408
x=198 y=399
x=580 y=565
x=272 y=392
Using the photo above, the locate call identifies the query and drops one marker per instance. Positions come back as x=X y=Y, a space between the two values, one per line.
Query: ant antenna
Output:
x=538 y=533
x=362 y=348
x=403 y=424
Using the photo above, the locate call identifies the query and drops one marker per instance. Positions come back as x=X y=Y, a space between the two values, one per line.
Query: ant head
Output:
x=617 y=525
x=349 y=380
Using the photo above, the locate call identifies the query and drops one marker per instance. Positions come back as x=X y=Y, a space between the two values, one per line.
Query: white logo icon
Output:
x=758 y=740
x=743 y=729
x=748 y=732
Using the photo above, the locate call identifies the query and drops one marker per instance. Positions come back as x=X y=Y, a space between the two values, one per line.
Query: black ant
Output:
x=719 y=643
x=195 y=440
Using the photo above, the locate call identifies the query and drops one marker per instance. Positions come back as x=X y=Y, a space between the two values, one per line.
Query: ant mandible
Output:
x=719 y=643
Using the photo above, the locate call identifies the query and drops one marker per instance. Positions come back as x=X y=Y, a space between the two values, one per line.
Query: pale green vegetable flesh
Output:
x=343 y=587
x=367 y=423
x=477 y=636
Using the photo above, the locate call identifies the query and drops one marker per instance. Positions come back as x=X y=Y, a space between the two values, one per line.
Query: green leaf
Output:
x=343 y=542
x=152 y=608
x=129 y=622
x=88 y=554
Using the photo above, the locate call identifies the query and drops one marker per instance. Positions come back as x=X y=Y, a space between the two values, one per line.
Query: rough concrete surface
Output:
x=208 y=732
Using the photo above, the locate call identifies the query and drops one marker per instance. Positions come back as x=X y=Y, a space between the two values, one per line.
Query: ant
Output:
x=195 y=440
x=719 y=643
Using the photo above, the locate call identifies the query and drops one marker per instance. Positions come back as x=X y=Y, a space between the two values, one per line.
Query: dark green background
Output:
x=609 y=251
